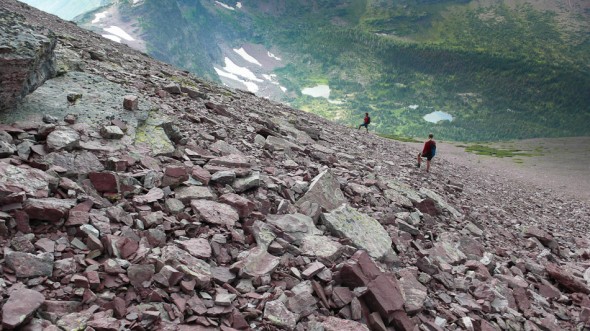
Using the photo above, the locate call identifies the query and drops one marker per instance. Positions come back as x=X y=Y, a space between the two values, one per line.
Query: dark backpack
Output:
x=433 y=149
x=368 y=119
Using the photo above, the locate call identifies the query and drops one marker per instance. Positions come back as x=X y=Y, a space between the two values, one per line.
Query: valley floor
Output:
x=563 y=168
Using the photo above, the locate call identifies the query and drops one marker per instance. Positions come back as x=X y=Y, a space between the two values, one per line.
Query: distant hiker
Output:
x=366 y=122
x=428 y=152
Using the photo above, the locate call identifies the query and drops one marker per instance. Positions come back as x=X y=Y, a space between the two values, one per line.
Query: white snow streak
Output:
x=111 y=37
x=242 y=52
x=117 y=31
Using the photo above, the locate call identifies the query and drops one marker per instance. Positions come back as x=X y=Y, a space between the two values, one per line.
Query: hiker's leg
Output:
x=419 y=158
x=367 y=127
x=427 y=165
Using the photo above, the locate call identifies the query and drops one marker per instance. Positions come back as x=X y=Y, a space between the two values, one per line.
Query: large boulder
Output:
x=325 y=191
x=20 y=306
x=297 y=226
x=33 y=182
x=383 y=293
x=26 y=58
x=364 y=231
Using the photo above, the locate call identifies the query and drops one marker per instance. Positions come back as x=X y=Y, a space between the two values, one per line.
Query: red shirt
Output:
x=428 y=146
x=366 y=119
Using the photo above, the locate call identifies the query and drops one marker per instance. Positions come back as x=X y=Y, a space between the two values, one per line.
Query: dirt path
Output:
x=564 y=167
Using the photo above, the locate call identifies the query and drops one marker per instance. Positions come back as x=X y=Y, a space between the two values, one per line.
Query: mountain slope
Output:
x=505 y=70
x=132 y=201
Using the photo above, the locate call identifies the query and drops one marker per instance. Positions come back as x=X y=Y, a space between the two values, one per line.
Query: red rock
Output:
x=428 y=206
x=48 y=209
x=80 y=281
x=197 y=247
x=77 y=218
x=341 y=296
x=140 y=275
x=150 y=163
x=566 y=280
x=376 y=322
x=168 y=276
x=313 y=269
x=244 y=206
x=201 y=175
x=127 y=247
x=119 y=307
x=22 y=221
x=174 y=176
x=93 y=279
x=20 y=306
x=130 y=102
x=46 y=245
x=104 y=182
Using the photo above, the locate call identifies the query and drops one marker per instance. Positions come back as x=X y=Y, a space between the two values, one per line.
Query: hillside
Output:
x=137 y=196
x=502 y=70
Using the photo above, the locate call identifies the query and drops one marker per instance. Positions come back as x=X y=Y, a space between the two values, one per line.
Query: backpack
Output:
x=368 y=119
x=433 y=149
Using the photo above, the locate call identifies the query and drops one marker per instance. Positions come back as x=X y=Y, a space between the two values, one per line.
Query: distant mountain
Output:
x=499 y=70
x=67 y=9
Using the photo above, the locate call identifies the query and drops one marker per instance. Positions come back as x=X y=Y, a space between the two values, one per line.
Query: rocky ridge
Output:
x=168 y=203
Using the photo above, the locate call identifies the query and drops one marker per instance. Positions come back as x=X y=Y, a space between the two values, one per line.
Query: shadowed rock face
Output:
x=26 y=58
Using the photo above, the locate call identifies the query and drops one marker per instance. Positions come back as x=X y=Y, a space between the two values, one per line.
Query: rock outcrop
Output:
x=26 y=58
x=134 y=196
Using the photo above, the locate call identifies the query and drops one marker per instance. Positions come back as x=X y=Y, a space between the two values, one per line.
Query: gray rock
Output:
x=24 y=149
x=321 y=247
x=276 y=144
x=215 y=212
x=256 y=262
x=325 y=191
x=111 y=132
x=224 y=148
x=224 y=177
x=364 y=231
x=6 y=149
x=29 y=265
x=188 y=193
x=27 y=58
x=243 y=184
x=297 y=226
x=77 y=162
x=63 y=138
x=277 y=314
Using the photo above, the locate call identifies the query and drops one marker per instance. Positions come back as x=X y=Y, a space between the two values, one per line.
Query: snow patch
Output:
x=224 y=5
x=111 y=37
x=242 y=52
x=413 y=106
x=238 y=4
x=284 y=89
x=117 y=31
x=251 y=86
x=99 y=16
x=240 y=71
x=271 y=55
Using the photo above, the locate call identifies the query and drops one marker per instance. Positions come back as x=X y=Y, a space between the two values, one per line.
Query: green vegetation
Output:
x=501 y=152
x=503 y=72
x=398 y=138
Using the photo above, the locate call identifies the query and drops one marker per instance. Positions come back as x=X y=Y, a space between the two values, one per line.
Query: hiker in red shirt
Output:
x=366 y=122
x=428 y=152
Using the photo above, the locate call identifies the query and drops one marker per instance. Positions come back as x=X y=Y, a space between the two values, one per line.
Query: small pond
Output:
x=437 y=116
